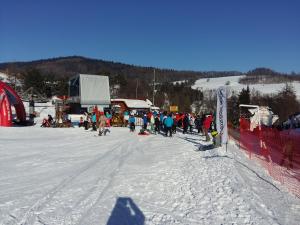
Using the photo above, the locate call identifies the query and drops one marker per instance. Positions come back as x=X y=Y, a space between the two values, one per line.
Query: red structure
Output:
x=8 y=98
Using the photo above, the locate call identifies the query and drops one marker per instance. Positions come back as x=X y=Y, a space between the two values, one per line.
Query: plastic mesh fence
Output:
x=277 y=151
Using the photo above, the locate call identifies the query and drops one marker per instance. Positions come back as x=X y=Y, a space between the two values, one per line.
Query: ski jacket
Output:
x=152 y=119
x=157 y=122
x=186 y=121
x=207 y=121
x=161 y=117
x=94 y=118
x=132 y=119
x=102 y=121
x=169 y=122
x=145 y=120
x=108 y=116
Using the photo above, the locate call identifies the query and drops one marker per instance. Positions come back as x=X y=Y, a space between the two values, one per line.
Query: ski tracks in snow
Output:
x=168 y=181
x=56 y=203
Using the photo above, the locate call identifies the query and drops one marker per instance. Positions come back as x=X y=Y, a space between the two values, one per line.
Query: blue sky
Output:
x=187 y=35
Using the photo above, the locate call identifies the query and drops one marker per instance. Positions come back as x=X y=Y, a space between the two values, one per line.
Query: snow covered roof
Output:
x=133 y=103
x=3 y=77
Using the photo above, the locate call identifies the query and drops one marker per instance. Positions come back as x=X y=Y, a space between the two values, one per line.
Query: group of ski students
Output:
x=154 y=122
x=167 y=123
x=98 y=120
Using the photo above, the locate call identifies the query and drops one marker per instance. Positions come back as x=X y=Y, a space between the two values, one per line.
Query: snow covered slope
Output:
x=59 y=176
x=234 y=85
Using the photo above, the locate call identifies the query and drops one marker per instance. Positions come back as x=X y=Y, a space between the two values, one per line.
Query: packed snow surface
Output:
x=232 y=82
x=70 y=176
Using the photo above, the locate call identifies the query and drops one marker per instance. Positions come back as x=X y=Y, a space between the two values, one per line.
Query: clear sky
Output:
x=190 y=35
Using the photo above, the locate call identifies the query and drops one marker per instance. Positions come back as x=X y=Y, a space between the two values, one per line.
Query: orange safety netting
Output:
x=277 y=151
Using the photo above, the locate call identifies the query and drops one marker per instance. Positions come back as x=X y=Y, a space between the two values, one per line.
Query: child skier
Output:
x=102 y=124
x=168 y=122
x=132 y=123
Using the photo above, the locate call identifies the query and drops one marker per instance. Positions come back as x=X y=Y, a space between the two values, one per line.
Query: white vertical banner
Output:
x=221 y=115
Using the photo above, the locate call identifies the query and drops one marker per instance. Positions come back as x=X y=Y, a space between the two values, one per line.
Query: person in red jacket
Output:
x=206 y=125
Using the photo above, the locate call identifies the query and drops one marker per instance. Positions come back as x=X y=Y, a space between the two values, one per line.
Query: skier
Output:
x=50 y=120
x=198 y=124
x=152 y=121
x=163 y=121
x=102 y=124
x=191 y=123
x=161 y=117
x=94 y=121
x=185 y=123
x=132 y=123
x=206 y=126
x=80 y=124
x=126 y=118
x=145 y=121
x=86 y=121
x=174 y=126
x=31 y=109
x=168 y=122
x=156 y=124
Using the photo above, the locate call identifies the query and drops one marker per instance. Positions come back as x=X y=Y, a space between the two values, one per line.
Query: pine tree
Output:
x=244 y=96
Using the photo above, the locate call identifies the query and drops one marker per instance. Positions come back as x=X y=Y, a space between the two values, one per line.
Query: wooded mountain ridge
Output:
x=65 y=67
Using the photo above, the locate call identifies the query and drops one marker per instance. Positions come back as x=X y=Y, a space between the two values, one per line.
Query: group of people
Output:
x=97 y=120
x=167 y=123
x=155 y=122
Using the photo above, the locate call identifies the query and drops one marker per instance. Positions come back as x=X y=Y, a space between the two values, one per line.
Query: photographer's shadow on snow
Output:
x=126 y=212
x=196 y=142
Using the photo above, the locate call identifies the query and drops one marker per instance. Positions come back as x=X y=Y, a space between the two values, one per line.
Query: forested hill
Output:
x=65 y=67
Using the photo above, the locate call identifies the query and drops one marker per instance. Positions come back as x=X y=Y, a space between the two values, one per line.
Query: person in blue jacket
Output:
x=145 y=121
x=131 y=123
x=168 y=125
x=94 y=121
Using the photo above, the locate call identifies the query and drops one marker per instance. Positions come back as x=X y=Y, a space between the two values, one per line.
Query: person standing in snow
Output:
x=31 y=109
x=86 y=121
x=168 y=122
x=206 y=126
x=161 y=117
x=191 y=123
x=185 y=123
x=152 y=121
x=156 y=124
x=132 y=123
x=94 y=121
x=126 y=118
x=174 y=126
x=102 y=123
x=163 y=121
x=145 y=121
x=198 y=124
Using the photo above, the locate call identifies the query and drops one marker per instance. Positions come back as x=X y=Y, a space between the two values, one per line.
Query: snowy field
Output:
x=234 y=85
x=59 y=176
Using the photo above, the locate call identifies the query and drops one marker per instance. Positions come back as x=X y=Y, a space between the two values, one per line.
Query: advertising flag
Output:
x=221 y=115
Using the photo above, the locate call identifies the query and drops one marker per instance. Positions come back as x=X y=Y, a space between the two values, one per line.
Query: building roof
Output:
x=133 y=103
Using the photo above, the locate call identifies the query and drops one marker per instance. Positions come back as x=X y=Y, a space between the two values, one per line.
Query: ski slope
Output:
x=70 y=176
x=234 y=85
